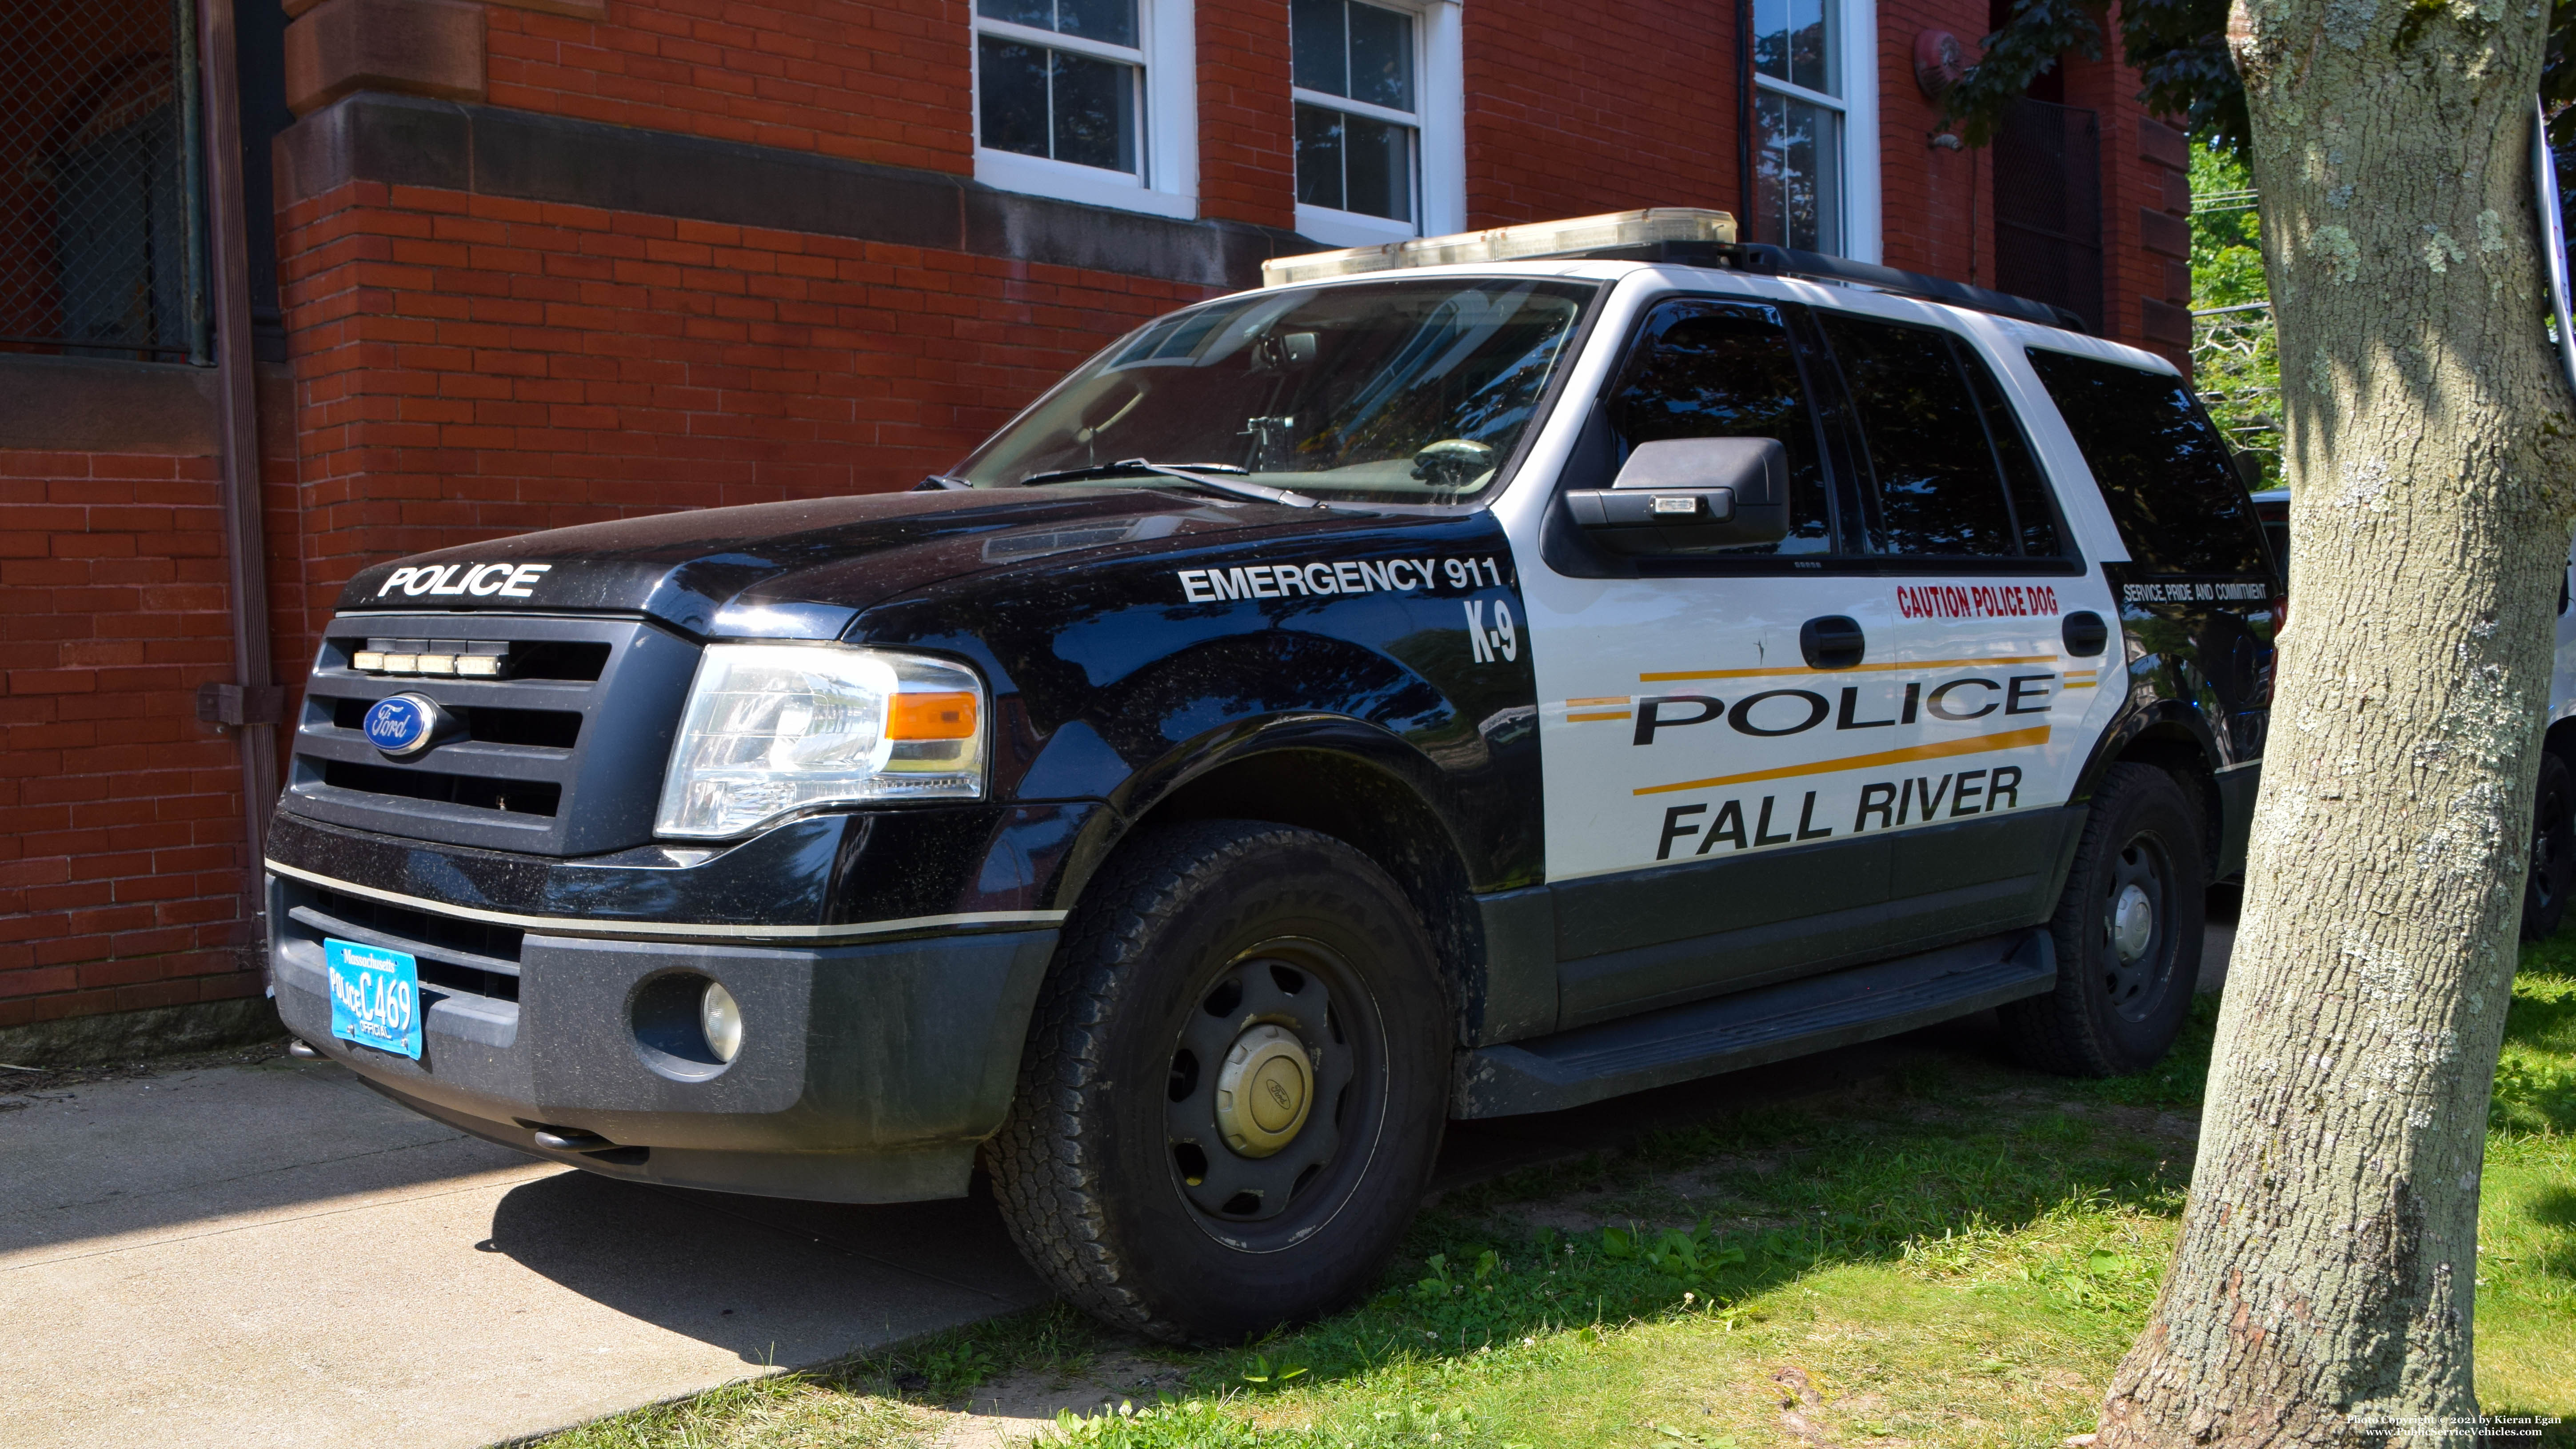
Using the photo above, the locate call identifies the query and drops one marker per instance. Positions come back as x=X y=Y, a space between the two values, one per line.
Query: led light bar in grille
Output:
x=437 y=658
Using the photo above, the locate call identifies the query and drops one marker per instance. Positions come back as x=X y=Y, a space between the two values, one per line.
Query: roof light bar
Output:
x=1580 y=235
x=1680 y=235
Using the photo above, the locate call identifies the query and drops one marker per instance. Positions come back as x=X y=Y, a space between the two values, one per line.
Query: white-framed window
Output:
x=1379 y=107
x=1088 y=100
x=1815 y=126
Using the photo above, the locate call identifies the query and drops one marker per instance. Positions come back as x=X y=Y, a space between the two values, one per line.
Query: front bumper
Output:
x=868 y=1072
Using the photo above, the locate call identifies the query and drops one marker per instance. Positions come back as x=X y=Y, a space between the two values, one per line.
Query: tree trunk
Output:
x=2322 y=1290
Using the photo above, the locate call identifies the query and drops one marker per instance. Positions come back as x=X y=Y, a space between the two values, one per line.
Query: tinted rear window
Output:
x=2162 y=466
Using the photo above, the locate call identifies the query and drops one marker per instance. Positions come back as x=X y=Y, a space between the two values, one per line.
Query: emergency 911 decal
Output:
x=1346 y=576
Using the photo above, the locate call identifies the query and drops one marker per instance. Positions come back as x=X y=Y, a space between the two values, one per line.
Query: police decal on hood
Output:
x=482 y=580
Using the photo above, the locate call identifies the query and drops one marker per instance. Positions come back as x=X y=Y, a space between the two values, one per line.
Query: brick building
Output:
x=290 y=290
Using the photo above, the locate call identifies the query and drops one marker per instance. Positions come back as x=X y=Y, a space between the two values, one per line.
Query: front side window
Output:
x=1359 y=124
x=1948 y=472
x=1800 y=117
x=1398 y=392
x=1705 y=369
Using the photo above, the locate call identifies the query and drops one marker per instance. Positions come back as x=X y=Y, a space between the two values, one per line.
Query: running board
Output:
x=1659 y=1048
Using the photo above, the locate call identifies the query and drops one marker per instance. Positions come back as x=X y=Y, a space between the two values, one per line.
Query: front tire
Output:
x=1234 y=1087
x=2128 y=933
x=2553 y=850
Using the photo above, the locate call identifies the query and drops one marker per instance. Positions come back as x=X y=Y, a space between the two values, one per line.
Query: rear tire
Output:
x=2128 y=933
x=1234 y=1087
x=2553 y=849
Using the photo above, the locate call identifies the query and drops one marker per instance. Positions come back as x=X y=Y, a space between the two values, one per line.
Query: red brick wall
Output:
x=2141 y=286
x=1936 y=205
x=469 y=367
x=871 y=80
x=1573 y=111
x=1247 y=136
x=121 y=869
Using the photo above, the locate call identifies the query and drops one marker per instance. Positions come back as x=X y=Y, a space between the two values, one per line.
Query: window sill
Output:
x=1350 y=228
x=1089 y=185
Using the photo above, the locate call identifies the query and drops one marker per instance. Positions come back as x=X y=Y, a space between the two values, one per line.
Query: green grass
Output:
x=1956 y=1258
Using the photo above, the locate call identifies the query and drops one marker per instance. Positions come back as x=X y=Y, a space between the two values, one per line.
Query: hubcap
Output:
x=2133 y=922
x=1264 y=1091
x=2137 y=945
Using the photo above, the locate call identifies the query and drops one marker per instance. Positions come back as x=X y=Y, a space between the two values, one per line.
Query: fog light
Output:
x=721 y=1020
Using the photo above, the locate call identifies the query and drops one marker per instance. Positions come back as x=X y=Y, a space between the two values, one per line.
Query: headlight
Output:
x=772 y=729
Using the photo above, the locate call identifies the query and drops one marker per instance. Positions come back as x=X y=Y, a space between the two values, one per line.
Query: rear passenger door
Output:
x=1724 y=809
x=1976 y=560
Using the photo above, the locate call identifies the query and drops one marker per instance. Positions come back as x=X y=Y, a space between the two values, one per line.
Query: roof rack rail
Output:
x=1681 y=236
x=1764 y=259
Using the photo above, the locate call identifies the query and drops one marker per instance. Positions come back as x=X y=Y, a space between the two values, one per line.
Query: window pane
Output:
x=1771 y=38
x=1318 y=59
x=1725 y=370
x=2163 y=470
x=2023 y=481
x=1319 y=156
x=1798 y=174
x=1811 y=48
x=1040 y=13
x=1095 y=112
x=1381 y=57
x=1938 y=491
x=1110 y=21
x=1012 y=81
x=1380 y=157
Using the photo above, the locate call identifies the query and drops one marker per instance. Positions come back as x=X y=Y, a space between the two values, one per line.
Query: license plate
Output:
x=375 y=996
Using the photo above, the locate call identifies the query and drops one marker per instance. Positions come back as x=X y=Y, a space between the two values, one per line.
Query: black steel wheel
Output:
x=2553 y=849
x=1283 y=1062
x=1234 y=1086
x=2127 y=932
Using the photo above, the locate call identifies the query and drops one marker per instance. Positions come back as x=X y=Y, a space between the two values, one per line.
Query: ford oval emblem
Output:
x=403 y=725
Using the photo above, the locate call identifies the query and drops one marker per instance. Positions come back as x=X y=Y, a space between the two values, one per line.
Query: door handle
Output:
x=1832 y=642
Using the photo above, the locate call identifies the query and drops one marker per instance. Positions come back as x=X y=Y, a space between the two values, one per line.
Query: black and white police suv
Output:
x=1473 y=677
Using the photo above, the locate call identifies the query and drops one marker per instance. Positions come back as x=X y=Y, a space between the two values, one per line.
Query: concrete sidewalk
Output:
x=273 y=1254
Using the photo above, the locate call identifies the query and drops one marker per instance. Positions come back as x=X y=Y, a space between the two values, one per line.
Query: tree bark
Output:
x=2322 y=1291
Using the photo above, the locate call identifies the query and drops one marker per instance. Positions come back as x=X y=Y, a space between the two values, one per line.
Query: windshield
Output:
x=1391 y=392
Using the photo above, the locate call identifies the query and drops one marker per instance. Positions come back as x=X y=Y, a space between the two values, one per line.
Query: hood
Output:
x=791 y=570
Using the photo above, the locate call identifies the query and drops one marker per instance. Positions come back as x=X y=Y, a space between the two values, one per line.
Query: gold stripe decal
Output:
x=1974 y=745
x=1786 y=669
x=1611 y=714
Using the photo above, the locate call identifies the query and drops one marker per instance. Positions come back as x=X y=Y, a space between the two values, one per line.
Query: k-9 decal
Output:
x=1483 y=643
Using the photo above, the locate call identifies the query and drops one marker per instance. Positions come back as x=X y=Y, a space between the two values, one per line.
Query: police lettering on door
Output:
x=1984 y=708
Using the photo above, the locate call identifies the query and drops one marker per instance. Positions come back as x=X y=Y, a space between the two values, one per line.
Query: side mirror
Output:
x=2249 y=467
x=1683 y=495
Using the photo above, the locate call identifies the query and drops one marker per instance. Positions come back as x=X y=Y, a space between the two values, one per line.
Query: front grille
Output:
x=523 y=797
x=550 y=729
x=562 y=754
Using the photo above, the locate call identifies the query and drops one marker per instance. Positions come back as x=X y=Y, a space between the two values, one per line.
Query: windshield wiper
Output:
x=1198 y=473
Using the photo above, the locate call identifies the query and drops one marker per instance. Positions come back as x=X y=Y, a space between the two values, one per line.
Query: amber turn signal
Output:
x=939 y=715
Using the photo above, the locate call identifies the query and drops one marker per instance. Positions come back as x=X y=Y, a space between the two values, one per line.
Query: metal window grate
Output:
x=102 y=215
x=2048 y=207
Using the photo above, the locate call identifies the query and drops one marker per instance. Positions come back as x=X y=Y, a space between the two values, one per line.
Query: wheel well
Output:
x=1364 y=807
x=2172 y=749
